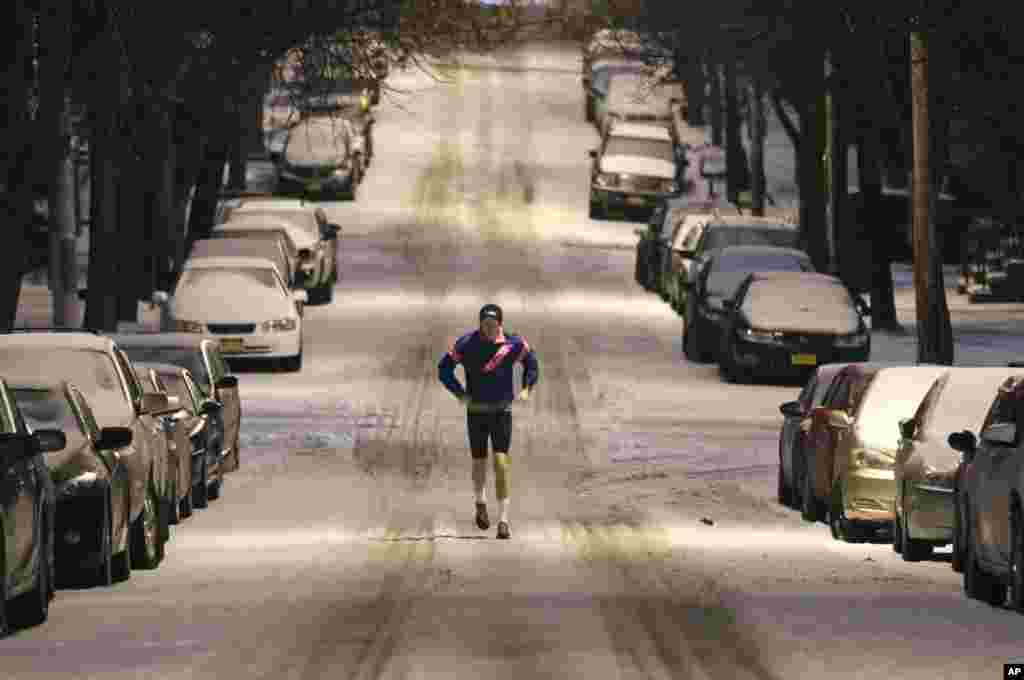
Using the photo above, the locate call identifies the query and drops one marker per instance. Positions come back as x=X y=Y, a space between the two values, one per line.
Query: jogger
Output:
x=488 y=356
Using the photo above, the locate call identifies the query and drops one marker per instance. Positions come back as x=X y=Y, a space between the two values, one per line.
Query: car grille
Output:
x=231 y=328
x=310 y=172
x=638 y=183
x=807 y=342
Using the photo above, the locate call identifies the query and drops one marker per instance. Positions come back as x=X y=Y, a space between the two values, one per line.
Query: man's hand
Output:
x=524 y=394
x=463 y=399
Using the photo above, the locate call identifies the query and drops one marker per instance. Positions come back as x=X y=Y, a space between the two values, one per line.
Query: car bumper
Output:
x=931 y=510
x=627 y=199
x=263 y=345
x=869 y=495
x=770 y=359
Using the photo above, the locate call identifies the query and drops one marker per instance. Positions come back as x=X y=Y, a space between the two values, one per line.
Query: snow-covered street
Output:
x=646 y=538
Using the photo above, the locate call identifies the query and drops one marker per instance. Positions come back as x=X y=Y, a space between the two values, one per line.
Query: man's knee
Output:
x=501 y=466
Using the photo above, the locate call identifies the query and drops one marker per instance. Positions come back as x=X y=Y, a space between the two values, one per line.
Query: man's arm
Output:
x=446 y=371
x=532 y=369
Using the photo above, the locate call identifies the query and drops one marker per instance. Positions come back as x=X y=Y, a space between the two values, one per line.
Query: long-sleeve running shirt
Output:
x=488 y=366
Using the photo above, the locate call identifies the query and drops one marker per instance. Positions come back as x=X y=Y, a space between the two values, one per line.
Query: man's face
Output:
x=490 y=328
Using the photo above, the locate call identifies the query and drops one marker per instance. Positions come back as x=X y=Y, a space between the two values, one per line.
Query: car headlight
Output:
x=341 y=170
x=872 y=459
x=763 y=337
x=852 y=340
x=276 y=325
x=608 y=179
x=183 y=326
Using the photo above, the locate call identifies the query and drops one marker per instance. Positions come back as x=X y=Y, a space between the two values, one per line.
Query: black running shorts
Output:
x=497 y=426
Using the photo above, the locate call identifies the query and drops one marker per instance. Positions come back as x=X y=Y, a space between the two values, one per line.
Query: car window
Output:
x=91 y=370
x=176 y=387
x=722 y=237
x=636 y=146
x=927 y=409
x=820 y=390
x=196 y=394
x=192 y=359
x=85 y=413
x=691 y=240
x=807 y=393
x=1004 y=410
x=727 y=272
x=134 y=385
x=207 y=276
x=838 y=396
x=47 y=408
x=218 y=367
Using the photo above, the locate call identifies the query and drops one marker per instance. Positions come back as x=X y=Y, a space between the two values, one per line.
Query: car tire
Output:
x=979 y=585
x=322 y=294
x=103 y=575
x=173 y=506
x=808 y=501
x=215 y=488
x=1016 y=587
x=957 y=560
x=147 y=533
x=200 y=500
x=33 y=607
x=897 y=536
x=3 y=586
x=912 y=549
x=784 y=493
x=842 y=528
x=185 y=505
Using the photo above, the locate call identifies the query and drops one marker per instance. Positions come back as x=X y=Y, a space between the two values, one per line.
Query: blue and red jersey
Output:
x=489 y=367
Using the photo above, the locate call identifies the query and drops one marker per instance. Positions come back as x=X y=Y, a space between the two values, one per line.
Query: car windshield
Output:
x=176 y=387
x=723 y=237
x=319 y=142
x=892 y=396
x=302 y=218
x=207 y=276
x=268 y=235
x=91 y=371
x=192 y=359
x=47 y=409
x=635 y=146
x=727 y=273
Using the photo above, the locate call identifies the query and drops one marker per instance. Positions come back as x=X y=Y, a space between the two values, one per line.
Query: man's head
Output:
x=490 y=321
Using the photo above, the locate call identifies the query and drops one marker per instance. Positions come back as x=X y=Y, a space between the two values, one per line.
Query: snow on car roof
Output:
x=230 y=261
x=83 y=340
x=179 y=340
x=299 y=236
x=750 y=221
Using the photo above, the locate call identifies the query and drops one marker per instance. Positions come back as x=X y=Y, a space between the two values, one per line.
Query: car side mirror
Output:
x=908 y=428
x=160 y=297
x=47 y=440
x=863 y=307
x=114 y=438
x=729 y=304
x=227 y=382
x=300 y=296
x=839 y=419
x=792 y=409
x=154 y=403
x=964 y=442
x=210 y=407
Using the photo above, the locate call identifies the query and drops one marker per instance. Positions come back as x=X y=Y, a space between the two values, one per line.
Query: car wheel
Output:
x=185 y=505
x=912 y=549
x=842 y=528
x=215 y=488
x=897 y=536
x=3 y=586
x=1017 y=560
x=33 y=608
x=978 y=585
x=808 y=502
x=957 y=561
x=173 y=505
x=103 y=574
x=147 y=544
x=200 y=499
x=784 y=493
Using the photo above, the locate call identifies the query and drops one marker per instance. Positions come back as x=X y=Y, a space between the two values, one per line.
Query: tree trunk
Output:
x=208 y=187
x=757 y=133
x=17 y=155
x=934 y=334
x=101 y=309
x=163 y=206
x=715 y=102
x=839 y=181
x=869 y=176
x=810 y=166
x=737 y=172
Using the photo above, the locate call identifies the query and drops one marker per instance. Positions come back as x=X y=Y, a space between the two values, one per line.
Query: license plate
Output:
x=229 y=345
x=805 y=360
x=636 y=200
x=313 y=186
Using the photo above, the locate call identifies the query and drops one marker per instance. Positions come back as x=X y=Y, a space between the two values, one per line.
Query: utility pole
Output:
x=934 y=336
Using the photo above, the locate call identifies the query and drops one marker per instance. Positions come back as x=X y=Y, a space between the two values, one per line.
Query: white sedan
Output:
x=244 y=303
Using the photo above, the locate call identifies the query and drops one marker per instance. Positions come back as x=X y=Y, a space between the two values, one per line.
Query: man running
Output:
x=488 y=356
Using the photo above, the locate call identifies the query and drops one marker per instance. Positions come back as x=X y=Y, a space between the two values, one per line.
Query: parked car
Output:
x=634 y=167
x=990 y=518
x=197 y=430
x=27 y=517
x=323 y=259
x=852 y=444
x=926 y=465
x=319 y=158
x=676 y=264
x=640 y=98
x=91 y=484
x=796 y=423
x=97 y=366
x=254 y=314
x=721 y=274
x=703 y=236
x=783 y=324
x=271 y=249
x=179 y=464
x=212 y=375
